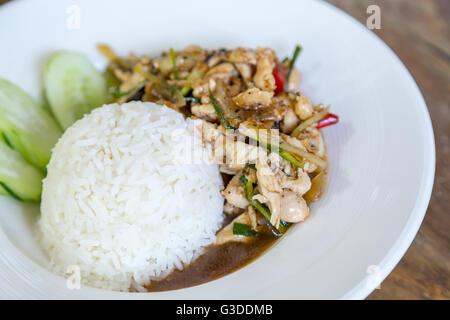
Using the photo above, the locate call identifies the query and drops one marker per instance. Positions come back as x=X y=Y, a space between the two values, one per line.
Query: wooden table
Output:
x=419 y=33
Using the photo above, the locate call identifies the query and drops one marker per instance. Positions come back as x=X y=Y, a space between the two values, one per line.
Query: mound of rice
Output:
x=119 y=204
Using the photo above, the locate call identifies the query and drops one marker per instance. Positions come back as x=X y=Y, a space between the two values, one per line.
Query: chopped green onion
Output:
x=241 y=229
x=8 y=143
x=185 y=90
x=291 y=66
x=219 y=113
x=248 y=187
x=283 y=226
x=117 y=94
x=192 y=99
x=291 y=158
x=176 y=75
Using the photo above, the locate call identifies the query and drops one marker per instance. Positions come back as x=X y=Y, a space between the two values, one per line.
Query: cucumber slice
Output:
x=3 y=191
x=26 y=126
x=18 y=178
x=73 y=86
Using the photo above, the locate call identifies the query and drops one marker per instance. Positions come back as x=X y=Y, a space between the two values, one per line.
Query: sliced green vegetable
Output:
x=3 y=191
x=219 y=113
x=310 y=121
x=186 y=89
x=18 y=178
x=173 y=57
x=292 y=158
x=241 y=229
x=73 y=86
x=291 y=66
x=248 y=188
x=26 y=125
x=9 y=192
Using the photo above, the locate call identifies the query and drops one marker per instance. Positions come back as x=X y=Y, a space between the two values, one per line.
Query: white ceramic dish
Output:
x=382 y=155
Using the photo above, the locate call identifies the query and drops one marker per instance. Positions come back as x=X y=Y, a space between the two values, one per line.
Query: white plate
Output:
x=381 y=154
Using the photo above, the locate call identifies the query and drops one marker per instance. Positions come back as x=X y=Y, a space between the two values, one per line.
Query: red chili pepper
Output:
x=279 y=76
x=330 y=119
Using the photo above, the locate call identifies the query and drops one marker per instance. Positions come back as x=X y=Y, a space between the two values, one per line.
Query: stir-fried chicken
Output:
x=204 y=111
x=293 y=207
x=264 y=78
x=253 y=97
x=228 y=91
x=234 y=193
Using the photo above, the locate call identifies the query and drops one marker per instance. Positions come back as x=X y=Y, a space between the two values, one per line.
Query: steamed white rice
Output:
x=119 y=204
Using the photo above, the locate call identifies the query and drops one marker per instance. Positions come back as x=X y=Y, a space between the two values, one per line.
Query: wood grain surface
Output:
x=419 y=32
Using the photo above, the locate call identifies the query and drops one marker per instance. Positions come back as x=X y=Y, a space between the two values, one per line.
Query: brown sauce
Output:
x=215 y=262
x=220 y=260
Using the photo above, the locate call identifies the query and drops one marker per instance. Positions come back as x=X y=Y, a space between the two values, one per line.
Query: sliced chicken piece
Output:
x=228 y=208
x=252 y=217
x=303 y=107
x=309 y=167
x=293 y=207
x=234 y=193
x=206 y=131
x=263 y=78
x=123 y=76
x=223 y=71
x=246 y=71
x=294 y=80
x=202 y=87
x=132 y=81
x=300 y=184
x=313 y=141
x=270 y=187
x=253 y=97
x=276 y=178
x=242 y=55
x=290 y=121
x=224 y=168
x=235 y=154
x=204 y=111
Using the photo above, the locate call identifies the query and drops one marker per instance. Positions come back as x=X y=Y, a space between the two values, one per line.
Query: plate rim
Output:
x=412 y=226
x=415 y=219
